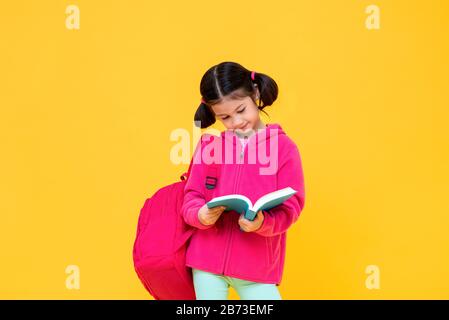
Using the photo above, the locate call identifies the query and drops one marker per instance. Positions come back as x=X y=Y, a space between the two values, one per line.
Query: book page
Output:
x=273 y=199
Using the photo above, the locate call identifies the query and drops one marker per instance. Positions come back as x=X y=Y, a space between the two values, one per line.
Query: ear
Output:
x=256 y=95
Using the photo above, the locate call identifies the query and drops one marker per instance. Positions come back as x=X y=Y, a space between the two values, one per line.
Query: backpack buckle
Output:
x=211 y=182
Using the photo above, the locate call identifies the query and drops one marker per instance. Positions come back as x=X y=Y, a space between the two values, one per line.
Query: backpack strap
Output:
x=212 y=178
x=213 y=170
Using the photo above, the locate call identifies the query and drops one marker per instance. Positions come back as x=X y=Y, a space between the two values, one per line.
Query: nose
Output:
x=238 y=122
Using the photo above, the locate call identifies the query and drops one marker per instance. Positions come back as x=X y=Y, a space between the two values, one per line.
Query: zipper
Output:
x=230 y=229
x=235 y=190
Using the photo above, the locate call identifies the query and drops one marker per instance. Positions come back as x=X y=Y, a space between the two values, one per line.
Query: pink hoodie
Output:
x=223 y=248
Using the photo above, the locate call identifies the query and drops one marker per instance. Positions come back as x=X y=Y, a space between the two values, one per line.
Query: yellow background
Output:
x=86 y=117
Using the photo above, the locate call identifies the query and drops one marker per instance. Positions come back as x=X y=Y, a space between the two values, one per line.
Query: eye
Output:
x=241 y=110
x=224 y=118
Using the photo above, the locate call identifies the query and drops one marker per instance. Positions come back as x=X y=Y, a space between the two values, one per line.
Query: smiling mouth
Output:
x=245 y=127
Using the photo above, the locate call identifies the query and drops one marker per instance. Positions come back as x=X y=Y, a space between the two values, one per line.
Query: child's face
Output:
x=241 y=115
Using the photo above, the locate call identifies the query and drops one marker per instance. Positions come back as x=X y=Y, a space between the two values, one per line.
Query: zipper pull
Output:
x=243 y=147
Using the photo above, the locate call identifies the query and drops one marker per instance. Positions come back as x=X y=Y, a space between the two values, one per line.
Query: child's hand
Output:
x=209 y=216
x=250 y=226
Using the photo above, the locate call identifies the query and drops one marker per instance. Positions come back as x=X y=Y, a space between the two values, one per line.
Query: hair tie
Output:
x=202 y=101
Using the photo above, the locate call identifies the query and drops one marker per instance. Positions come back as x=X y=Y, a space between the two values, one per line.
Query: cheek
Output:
x=226 y=122
x=253 y=115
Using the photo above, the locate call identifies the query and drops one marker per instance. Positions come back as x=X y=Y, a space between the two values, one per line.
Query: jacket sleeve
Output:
x=278 y=219
x=194 y=192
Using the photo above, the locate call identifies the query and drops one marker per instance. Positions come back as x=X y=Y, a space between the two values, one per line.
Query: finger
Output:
x=215 y=214
x=244 y=222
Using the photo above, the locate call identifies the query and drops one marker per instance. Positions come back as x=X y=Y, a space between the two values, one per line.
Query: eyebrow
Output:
x=225 y=114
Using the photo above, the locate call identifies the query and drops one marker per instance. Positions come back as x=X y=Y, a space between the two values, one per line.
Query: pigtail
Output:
x=205 y=116
x=268 y=89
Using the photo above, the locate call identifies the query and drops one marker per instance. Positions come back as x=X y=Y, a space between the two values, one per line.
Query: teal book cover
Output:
x=241 y=203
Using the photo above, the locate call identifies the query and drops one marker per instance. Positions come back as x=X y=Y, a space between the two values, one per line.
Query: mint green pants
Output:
x=210 y=286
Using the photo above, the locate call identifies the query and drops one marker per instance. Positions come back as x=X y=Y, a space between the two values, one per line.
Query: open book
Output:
x=240 y=203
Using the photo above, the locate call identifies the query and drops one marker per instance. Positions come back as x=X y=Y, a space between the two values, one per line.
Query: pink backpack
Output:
x=163 y=236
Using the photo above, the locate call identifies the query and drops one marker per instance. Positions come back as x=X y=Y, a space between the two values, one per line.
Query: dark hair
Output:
x=231 y=80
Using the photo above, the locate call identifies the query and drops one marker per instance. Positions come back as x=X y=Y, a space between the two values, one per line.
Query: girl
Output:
x=219 y=253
